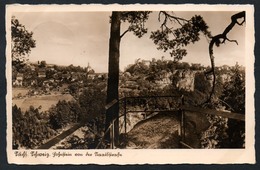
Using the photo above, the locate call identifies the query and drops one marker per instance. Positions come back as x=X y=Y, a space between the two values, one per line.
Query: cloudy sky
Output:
x=80 y=38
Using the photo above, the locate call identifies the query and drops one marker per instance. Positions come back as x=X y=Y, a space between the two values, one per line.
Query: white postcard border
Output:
x=143 y=156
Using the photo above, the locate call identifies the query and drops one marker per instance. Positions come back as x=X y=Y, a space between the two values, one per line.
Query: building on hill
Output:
x=89 y=69
x=91 y=76
x=31 y=66
x=225 y=67
x=146 y=62
x=66 y=76
x=42 y=73
x=19 y=80
x=101 y=76
x=90 y=73
x=33 y=82
x=50 y=67
x=74 y=76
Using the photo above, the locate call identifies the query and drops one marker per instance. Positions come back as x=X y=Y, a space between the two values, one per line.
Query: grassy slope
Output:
x=45 y=101
x=22 y=91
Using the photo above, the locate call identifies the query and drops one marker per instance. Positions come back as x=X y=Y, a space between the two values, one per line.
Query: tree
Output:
x=175 y=39
x=234 y=91
x=221 y=39
x=137 y=68
x=73 y=88
x=42 y=64
x=22 y=42
x=92 y=101
x=201 y=83
x=59 y=115
x=234 y=96
x=136 y=20
x=166 y=38
x=30 y=128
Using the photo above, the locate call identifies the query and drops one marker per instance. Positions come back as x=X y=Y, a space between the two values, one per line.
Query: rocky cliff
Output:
x=186 y=81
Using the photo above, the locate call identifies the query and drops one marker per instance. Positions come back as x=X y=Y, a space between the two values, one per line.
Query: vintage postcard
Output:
x=130 y=84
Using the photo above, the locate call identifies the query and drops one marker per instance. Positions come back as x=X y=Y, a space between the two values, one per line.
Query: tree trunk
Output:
x=113 y=74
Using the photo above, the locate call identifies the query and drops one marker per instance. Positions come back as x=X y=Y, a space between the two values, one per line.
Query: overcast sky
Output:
x=80 y=37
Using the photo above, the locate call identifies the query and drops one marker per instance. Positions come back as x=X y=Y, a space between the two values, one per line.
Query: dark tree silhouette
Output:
x=166 y=37
x=221 y=39
x=175 y=39
x=22 y=42
x=234 y=95
x=136 y=21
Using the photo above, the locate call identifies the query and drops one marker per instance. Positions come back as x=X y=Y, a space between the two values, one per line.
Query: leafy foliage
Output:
x=223 y=132
x=215 y=136
x=228 y=133
x=136 y=19
x=221 y=39
x=174 y=39
x=234 y=91
x=64 y=113
x=201 y=83
x=167 y=39
x=30 y=129
x=234 y=95
x=22 y=42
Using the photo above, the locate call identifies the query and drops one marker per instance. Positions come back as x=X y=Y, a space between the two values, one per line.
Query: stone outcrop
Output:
x=132 y=119
x=164 y=80
x=186 y=81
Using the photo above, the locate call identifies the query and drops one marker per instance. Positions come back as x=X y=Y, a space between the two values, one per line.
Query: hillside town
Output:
x=42 y=78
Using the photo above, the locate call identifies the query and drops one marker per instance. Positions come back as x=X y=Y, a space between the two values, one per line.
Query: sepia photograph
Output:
x=104 y=82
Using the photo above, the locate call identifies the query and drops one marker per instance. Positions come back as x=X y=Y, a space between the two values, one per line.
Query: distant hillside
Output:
x=158 y=74
x=144 y=76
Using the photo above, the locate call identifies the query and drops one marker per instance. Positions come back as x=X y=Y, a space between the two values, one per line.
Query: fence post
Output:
x=125 y=113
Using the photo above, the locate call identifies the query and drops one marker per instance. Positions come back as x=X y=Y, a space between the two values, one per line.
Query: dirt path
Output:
x=60 y=137
x=157 y=132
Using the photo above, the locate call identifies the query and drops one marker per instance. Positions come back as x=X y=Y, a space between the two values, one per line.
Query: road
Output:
x=60 y=137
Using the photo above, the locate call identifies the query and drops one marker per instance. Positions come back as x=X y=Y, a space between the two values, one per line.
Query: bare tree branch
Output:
x=124 y=33
x=232 y=41
x=171 y=18
x=216 y=40
x=178 y=19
